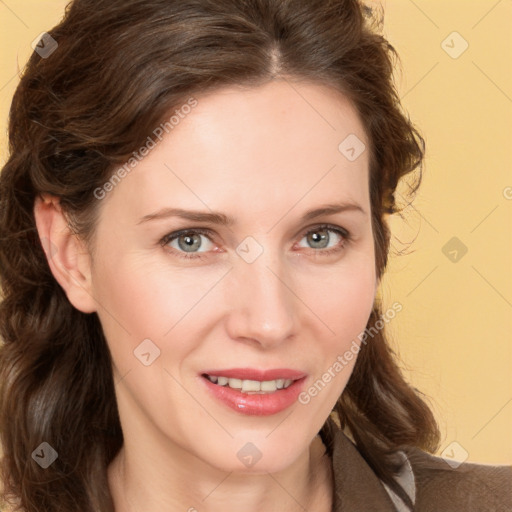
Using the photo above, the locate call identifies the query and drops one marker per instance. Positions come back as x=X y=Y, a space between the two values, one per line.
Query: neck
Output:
x=139 y=483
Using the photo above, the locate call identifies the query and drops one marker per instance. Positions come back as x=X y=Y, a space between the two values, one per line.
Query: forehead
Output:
x=253 y=147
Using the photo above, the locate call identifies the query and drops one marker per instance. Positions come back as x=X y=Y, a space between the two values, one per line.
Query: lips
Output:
x=256 y=403
x=257 y=374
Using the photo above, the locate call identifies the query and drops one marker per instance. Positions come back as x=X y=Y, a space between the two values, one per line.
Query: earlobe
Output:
x=67 y=256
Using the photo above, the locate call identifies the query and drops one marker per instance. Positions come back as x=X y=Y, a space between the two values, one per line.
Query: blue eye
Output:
x=189 y=241
x=320 y=238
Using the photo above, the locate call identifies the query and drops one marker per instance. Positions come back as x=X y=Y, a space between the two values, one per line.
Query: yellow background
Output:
x=454 y=332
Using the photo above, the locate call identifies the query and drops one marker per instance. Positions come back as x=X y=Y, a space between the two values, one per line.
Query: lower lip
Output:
x=256 y=404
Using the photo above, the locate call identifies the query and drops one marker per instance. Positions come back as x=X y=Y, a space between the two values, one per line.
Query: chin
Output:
x=257 y=452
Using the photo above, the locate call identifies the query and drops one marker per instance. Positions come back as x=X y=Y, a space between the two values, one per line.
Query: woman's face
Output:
x=257 y=295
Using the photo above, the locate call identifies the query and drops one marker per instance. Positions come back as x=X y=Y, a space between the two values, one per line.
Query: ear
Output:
x=67 y=256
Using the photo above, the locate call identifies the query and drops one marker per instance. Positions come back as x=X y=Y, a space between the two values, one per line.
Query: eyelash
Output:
x=345 y=235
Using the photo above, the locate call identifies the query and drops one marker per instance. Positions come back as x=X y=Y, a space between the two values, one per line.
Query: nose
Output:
x=262 y=303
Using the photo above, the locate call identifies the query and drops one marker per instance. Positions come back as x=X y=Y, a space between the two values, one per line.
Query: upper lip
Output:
x=257 y=374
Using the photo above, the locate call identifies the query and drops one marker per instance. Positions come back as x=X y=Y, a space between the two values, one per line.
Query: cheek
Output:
x=343 y=301
x=344 y=308
x=130 y=299
x=143 y=299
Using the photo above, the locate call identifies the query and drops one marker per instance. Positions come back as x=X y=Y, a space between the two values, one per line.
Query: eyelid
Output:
x=176 y=234
x=343 y=232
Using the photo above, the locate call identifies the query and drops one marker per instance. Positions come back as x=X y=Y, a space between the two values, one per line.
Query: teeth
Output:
x=251 y=386
x=235 y=383
x=268 y=385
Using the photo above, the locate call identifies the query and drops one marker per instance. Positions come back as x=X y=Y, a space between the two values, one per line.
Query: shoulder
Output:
x=432 y=484
x=468 y=486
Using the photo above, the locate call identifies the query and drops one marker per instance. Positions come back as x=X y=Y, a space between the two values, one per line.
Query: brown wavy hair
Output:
x=120 y=67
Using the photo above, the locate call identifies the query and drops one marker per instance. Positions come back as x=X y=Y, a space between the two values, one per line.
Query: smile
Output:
x=254 y=392
x=251 y=386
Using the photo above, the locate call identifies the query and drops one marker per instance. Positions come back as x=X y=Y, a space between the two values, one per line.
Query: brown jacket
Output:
x=432 y=484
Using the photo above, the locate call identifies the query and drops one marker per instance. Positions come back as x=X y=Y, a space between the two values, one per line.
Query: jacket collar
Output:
x=356 y=487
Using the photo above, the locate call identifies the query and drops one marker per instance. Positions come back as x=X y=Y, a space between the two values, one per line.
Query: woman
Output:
x=193 y=224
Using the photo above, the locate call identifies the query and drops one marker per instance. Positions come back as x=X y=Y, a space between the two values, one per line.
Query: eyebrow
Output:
x=224 y=220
